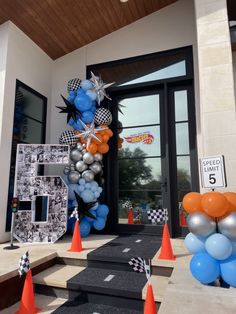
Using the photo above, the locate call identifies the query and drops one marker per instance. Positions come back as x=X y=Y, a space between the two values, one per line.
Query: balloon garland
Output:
x=88 y=142
x=212 y=237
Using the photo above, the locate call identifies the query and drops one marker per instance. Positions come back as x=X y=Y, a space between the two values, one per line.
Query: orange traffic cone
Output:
x=166 y=248
x=27 y=305
x=182 y=220
x=130 y=217
x=149 y=306
x=76 y=244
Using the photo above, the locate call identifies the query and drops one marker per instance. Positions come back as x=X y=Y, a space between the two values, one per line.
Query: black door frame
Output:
x=167 y=86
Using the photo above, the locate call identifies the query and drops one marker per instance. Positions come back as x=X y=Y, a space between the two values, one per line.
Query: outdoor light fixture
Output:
x=123 y=1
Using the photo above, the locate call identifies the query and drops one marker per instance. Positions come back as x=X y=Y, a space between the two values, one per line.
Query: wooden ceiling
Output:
x=61 y=26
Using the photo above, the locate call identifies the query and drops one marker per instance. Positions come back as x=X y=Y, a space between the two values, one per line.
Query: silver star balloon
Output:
x=99 y=87
x=89 y=132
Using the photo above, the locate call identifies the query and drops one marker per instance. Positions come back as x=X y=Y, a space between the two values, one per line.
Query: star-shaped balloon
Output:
x=89 y=132
x=70 y=109
x=119 y=108
x=83 y=208
x=99 y=87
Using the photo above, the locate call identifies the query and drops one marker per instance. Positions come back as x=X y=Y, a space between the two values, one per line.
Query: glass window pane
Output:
x=181 y=105
x=32 y=105
x=140 y=182
x=182 y=138
x=31 y=131
x=140 y=142
x=147 y=68
x=141 y=110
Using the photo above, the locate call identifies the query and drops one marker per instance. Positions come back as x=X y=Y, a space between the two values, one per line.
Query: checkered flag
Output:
x=75 y=214
x=73 y=84
x=159 y=215
x=127 y=205
x=139 y=265
x=24 y=264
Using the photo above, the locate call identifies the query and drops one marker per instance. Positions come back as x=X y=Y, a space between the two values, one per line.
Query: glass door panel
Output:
x=139 y=158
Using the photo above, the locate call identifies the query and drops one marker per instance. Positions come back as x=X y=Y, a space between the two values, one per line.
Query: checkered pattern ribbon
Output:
x=75 y=214
x=24 y=264
x=158 y=215
x=139 y=265
x=67 y=138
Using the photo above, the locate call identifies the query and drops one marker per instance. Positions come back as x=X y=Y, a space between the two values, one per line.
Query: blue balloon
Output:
x=71 y=189
x=99 y=189
x=99 y=223
x=82 y=102
x=94 y=213
x=93 y=109
x=194 y=244
x=94 y=188
x=87 y=117
x=76 y=125
x=91 y=94
x=228 y=270
x=218 y=246
x=82 y=181
x=102 y=211
x=86 y=85
x=87 y=196
x=81 y=188
x=204 y=268
x=94 y=183
x=233 y=247
x=88 y=185
x=84 y=228
x=96 y=194
x=70 y=203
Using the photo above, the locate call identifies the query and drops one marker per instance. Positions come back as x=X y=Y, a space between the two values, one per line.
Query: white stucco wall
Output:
x=172 y=27
x=28 y=63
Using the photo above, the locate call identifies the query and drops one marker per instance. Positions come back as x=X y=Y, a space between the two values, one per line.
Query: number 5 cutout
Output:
x=28 y=185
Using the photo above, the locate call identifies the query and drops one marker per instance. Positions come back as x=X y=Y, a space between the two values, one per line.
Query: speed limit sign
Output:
x=213 y=172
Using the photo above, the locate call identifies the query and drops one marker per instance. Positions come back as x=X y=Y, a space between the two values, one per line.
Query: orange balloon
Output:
x=99 y=136
x=103 y=148
x=231 y=198
x=109 y=132
x=192 y=202
x=105 y=138
x=215 y=204
x=92 y=149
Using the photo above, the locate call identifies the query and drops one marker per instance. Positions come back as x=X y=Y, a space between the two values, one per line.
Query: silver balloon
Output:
x=88 y=175
x=96 y=167
x=74 y=176
x=66 y=170
x=81 y=166
x=98 y=157
x=84 y=151
x=200 y=224
x=227 y=226
x=79 y=146
x=88 y=158
x=75 y=155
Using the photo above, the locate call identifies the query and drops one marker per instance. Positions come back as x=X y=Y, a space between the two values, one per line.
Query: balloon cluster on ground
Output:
x=88 y=142
x=212 y=237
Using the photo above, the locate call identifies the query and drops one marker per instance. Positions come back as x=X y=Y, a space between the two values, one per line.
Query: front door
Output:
x=150 y=162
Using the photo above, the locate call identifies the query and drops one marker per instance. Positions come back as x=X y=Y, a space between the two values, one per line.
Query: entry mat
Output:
x=123 y=248
x=74 y=307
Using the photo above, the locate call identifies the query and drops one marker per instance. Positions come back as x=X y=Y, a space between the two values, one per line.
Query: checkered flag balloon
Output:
x=127 y=205
x=24 y=264
x=159 y=215
x=67 y=138
x=75 y=214
x=102 y=116
x=73 y=84
x=139 y=265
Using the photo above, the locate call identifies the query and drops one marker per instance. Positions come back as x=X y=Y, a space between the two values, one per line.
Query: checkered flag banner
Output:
x=127 y=205
x=24 y=264
x=159 y=215
x=75 y=214
x=67 y=138
x=139 y=265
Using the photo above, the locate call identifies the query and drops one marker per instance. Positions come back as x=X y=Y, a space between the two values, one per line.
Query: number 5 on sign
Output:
x=28 y=186
x=213 y=172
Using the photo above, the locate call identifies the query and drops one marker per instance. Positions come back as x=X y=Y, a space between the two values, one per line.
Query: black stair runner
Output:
x=108 y=282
